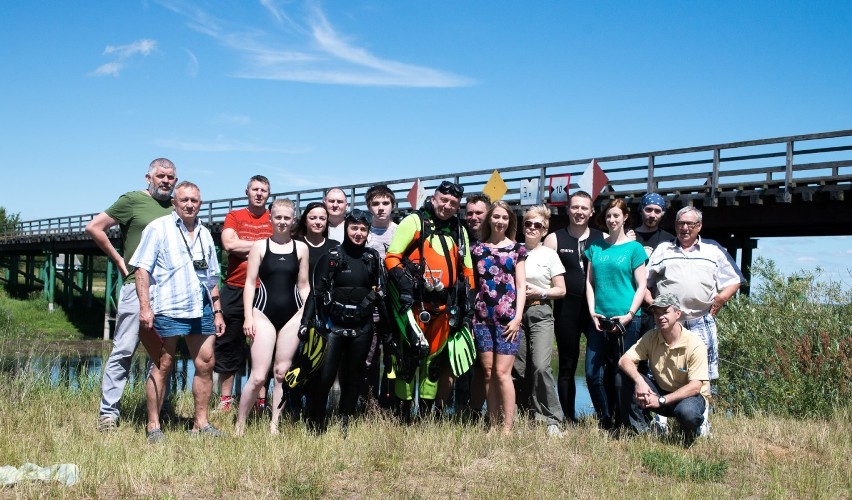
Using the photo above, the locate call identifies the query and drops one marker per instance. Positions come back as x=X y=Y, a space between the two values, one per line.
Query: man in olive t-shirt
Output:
x=131 y=212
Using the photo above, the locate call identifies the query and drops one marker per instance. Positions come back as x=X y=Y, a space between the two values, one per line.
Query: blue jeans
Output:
x=603 y=377
x=689 y=412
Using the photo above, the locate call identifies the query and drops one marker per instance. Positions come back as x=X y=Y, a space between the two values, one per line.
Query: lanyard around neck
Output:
x=186 y=244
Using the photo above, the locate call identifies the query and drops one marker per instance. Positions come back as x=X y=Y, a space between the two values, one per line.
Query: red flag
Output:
x=593 y=180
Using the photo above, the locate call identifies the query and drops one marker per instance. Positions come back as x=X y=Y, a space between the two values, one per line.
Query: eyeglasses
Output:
x=530 y=224
x=358 y=215
x=451 y=189
x=686 y=223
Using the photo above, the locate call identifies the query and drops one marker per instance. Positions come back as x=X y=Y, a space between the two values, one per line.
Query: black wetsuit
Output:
x=278 y=295
x=350 y=325
x=571 y=314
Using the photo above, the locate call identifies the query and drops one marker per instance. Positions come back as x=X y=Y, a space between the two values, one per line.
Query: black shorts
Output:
x=231 y=348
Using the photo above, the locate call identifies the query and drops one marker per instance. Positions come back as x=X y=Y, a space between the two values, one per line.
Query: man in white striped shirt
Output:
x=177 y=277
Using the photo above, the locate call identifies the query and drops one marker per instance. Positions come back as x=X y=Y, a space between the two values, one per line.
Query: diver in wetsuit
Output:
x=347 y=286
x=281 y=263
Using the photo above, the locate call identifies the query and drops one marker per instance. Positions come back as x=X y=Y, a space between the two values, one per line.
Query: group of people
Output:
x=455 y=310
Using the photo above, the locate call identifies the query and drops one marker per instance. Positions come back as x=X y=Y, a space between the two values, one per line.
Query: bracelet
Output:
x=544 y=295
x=632 y=314
x=218 y=311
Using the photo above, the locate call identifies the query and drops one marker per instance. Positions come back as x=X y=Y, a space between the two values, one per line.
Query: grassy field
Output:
x=29 y=319
x=747 y=457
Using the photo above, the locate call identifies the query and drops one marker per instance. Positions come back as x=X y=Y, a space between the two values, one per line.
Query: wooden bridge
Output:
x=783 y=186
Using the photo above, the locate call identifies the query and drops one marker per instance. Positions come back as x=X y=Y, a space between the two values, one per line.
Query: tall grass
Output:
x=787 y=349
x=749 y=456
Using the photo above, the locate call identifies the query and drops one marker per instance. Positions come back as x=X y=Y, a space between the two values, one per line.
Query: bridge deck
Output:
x=793 y=171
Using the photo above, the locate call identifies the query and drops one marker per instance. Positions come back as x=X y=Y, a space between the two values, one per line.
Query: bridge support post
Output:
x=14 y=271
x=50 y=279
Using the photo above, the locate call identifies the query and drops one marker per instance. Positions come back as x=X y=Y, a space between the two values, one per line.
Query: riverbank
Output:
x=746 y=457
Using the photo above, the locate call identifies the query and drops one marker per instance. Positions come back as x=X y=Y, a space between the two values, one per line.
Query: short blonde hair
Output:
x=539 y=211
x=283 y=203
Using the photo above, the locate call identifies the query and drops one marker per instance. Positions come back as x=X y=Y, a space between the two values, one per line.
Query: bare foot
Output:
x=273 y=429
x=240 y=429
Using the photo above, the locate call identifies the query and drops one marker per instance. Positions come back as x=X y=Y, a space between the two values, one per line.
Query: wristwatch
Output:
x=662 y=401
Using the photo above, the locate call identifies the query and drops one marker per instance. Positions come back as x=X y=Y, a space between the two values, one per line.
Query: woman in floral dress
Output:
x=499 y=308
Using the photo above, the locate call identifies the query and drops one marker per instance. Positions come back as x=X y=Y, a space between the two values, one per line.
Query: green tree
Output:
x=8 y=221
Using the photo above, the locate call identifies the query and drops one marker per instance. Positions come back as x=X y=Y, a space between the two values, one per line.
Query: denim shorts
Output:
x=167 y=326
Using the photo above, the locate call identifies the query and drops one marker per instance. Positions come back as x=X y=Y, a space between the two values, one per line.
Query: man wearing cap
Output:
x=430 y=271
x=680 y=387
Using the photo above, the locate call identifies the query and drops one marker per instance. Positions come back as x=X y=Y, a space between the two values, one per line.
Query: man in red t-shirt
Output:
x=242 y=228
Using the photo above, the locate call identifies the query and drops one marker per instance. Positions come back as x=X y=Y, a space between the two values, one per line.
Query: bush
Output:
x=787 y=349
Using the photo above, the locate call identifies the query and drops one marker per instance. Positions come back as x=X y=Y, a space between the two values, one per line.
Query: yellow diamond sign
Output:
x=495 y=188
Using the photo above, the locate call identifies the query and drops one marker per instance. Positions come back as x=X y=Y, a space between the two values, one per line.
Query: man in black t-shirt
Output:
x=571 y=313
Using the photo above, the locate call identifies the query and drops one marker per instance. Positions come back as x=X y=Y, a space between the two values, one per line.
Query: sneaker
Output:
x=660 y=425
x=225 y=403
x=260 y=406
x=208 y=431
x=107 y=424
x=553 y=431
x=705 y=431
x=155 y=436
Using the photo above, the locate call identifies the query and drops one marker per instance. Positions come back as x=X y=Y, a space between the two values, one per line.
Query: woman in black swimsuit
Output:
x=281 y=263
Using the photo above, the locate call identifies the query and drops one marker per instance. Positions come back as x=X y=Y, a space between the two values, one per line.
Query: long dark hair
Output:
x=302 y=225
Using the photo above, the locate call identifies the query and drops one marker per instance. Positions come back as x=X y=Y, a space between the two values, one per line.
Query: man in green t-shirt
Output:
x=131 y=212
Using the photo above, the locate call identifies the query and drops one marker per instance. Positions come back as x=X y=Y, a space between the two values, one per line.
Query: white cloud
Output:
x=806 y=259
x=108 y=69
x=308 y=50
x=144 y=47
x=121 y=53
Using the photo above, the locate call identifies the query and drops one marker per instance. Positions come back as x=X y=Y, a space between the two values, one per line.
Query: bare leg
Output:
x=285 y=349
x=201 y=350
x=226 y=384
x=261 y=359
x=505 y=389
x=157 y=380
x=487 y=360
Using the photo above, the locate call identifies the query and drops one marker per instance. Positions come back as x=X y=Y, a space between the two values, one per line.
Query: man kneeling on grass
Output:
x=177 y=276
x=677 y=359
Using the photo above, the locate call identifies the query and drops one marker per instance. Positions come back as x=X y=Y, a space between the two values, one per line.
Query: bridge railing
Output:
x=781 y=166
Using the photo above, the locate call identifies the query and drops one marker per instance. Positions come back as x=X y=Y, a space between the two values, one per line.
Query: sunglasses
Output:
x=530 y=224
x=358 y=215
x=451 y=189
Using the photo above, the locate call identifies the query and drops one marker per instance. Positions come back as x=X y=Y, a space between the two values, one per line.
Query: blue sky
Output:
x=314 y=94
